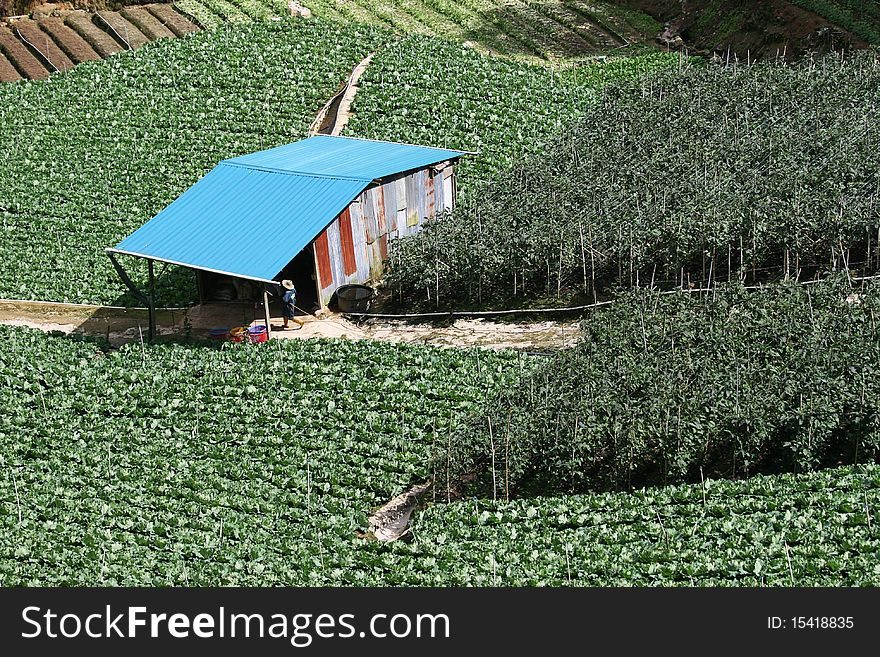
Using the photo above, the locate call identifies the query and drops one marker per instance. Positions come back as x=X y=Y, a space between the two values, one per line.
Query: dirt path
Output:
x=334 y=116
x=120 y=325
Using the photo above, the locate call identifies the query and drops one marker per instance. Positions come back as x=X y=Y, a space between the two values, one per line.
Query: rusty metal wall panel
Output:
x=379 y=194
x=438 y=192
x=422 y=177
x=412 y=203
x=361 y=250
x=390 y=194
x=349 y=261
x=322 y=255
x=429 y=194
x=395 y=209
x=371 y=218
x=400 y=193
x=449 y=188
x=335 y=245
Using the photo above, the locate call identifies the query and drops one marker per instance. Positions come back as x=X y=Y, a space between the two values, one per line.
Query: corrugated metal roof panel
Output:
x=243 y=221
x=346 y=157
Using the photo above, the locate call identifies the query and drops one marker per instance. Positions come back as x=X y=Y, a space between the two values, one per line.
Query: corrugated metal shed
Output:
x=250 y=215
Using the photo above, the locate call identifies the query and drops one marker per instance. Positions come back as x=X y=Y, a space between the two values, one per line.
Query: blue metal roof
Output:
x=243 y=222
x=346 y=157
x=250 y=215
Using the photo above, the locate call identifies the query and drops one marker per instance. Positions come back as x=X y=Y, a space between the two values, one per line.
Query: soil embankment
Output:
x=751 y=29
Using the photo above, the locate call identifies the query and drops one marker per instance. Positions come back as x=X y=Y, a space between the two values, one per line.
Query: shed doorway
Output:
x=301 y=270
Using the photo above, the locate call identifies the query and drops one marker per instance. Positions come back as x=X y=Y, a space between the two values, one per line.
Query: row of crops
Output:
x=93 y=154
x=545 y=29
x=211 y=14
x=187 y=464
x=669 y=181
x=808 y=530
x=257 y=464
x=670 y=388
x=428 y=91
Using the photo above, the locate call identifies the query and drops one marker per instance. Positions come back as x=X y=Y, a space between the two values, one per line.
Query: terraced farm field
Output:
x=257 y=465
x=35 y=48
x=545 y=29
x=750 y=172
x=98 y=151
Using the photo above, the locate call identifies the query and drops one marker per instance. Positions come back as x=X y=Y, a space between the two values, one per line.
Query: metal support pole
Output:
x=152 y=303
x=266 y=312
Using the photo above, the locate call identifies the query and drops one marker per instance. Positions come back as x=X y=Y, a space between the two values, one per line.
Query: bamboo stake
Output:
x=17 y=498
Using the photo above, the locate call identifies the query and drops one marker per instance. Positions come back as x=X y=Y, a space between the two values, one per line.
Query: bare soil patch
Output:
x=20 y=57
x=68 y=40
x=149 y=25
x=175 y=22
x=121 y=325
x=8 y=73
x=48 y=51
x=102 y=43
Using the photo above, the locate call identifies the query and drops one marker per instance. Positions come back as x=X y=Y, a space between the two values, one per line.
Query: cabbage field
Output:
x=211 y=14
x=192 y=464
x=689 y=176
x=92 y=154
x=432 y=92
x=257 y=465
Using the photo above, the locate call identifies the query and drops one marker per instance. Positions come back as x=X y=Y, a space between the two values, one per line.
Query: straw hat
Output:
x=287 y=283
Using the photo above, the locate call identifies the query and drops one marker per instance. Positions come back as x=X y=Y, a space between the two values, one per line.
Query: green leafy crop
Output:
x=189 y=464
x=668 y=388
x=692 y=175
x=91 y=155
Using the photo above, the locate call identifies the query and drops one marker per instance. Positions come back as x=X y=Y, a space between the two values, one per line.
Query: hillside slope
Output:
x=762 y=28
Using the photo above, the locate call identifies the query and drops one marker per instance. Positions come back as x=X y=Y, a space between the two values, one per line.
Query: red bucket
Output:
x=258 y=334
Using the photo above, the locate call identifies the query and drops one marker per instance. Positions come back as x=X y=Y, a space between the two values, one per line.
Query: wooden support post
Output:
x=151 y=334
x=318 y=282
x=266 y=312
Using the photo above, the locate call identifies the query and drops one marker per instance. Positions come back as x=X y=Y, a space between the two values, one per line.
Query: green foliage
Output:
x=247 y=464
x=667 y=388
x=688 y=174
x=431 y=92
x=861 y=17
x=93 y=154
x=534 y=29
x=213 y=13
x=809 y=530
x=254 y=465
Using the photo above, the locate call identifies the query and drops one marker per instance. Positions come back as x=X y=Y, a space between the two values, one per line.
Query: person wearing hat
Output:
x=288 y=300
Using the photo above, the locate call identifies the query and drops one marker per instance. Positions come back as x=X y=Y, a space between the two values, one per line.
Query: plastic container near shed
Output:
x=219 y=333
x=354 y=298
x=258 y=334
x=238 y=334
